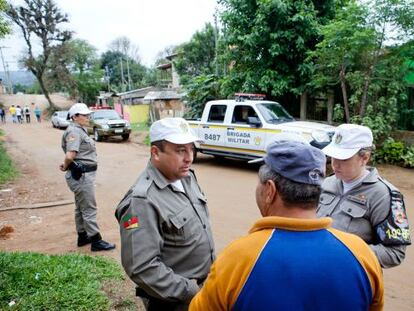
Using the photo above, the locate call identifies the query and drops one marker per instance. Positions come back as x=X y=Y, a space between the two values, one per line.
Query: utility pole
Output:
x=6 y=70
x=216 y=40
x=129 y=76
x=122 y=75
x=107 y=77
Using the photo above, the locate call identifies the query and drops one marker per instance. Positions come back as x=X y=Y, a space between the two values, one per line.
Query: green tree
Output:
x=84 y=67
x=115 y=62
x=267 y=43
x=4 y=25
x=393 y=21
x=76 y=71
x=197 y=57
x=346 y=41
x=361 y=50
x=200 y=90
x=41 y=20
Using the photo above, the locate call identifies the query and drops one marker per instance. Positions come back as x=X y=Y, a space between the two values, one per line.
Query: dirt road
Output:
x=229 y=186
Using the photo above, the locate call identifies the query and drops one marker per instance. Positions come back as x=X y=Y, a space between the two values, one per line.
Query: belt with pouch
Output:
x=90 y=168
x=77 y=169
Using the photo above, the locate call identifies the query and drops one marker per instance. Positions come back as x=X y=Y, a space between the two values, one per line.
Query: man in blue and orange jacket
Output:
x=290 y=260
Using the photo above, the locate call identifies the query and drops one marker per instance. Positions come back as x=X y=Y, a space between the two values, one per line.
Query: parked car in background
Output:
x=59 y=119
x=106 y=122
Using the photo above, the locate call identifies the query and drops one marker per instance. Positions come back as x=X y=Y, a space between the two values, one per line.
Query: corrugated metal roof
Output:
x=159 y=95
x=138 y=93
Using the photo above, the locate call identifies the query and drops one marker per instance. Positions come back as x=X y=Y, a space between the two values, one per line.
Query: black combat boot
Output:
x=100 y=245
x=83 y=239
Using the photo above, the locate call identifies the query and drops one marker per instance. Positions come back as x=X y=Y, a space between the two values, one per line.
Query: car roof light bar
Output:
x=249 y=96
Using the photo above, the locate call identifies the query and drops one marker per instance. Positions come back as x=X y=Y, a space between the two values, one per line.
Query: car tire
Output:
x=125 y=137
x=96 y=135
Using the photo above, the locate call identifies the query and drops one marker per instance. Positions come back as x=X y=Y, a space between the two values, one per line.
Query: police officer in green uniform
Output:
x=80 y=164
x=359 y=200
x=167 y=243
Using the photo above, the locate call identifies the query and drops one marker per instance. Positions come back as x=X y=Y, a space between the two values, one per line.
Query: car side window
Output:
x=217 y=113
x=241 y=113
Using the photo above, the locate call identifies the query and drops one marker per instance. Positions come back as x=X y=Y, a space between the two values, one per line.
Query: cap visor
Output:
x=339 y=153
x=182 y=139
x=258 y=160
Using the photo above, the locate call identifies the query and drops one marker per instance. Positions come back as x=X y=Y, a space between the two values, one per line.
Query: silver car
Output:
x=59 y=119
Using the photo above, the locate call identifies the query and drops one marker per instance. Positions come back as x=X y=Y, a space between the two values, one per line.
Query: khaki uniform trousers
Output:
x=85 y=210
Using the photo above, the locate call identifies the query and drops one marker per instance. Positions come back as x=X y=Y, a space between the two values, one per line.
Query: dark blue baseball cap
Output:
x=295 y=160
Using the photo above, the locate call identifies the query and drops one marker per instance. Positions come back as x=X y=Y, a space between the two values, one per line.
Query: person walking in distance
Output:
x=12 y=111
x=2 y=114
x=27 y=113
x=38 y=114
x=80 y=165
x=19 y=114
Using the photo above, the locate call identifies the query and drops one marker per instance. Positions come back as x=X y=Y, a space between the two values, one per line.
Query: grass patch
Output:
x=140 y=127
x=55 y=282
x=7 y=169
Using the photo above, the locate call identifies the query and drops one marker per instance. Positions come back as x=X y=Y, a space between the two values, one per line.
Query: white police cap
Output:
x=348 y=140
x=78 y=108
x=174 y=130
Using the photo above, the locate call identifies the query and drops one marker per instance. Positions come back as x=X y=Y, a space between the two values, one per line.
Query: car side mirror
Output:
x=255 y=121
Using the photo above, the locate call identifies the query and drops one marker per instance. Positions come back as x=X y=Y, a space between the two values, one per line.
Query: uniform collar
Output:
x=372 y=177
x=158 y=178
x=79 y=126
x=336 y=185
x=292 y=224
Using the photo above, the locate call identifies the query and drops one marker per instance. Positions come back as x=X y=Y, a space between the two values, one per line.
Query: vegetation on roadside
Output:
x=7 y=169
x=33 y=281
x=395 y=152
x=142 y=127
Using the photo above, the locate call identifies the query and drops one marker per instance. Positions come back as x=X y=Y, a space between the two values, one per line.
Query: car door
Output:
x=241 y=134
x=213 y=131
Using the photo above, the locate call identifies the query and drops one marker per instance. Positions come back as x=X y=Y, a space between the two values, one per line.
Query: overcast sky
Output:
x=152 y=25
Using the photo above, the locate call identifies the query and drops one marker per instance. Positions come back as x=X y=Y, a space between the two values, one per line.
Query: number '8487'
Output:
x=215 y=137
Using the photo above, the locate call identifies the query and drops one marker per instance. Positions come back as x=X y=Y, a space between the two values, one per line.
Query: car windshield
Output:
x=62 y=114
x=106 y=114
x=274 y=113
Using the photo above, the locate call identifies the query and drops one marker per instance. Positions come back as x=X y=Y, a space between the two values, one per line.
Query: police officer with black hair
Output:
x=80 y=164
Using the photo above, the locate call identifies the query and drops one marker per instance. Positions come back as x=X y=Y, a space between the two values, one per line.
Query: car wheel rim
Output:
x=95 y=132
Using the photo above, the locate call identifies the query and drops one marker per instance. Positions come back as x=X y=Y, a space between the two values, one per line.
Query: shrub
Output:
x=395 y=152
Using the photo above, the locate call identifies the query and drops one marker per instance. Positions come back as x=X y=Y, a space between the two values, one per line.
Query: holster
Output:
x=76 y=170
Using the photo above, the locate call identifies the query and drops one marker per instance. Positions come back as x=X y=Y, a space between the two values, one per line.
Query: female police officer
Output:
x=359 y=200
x=80 y=165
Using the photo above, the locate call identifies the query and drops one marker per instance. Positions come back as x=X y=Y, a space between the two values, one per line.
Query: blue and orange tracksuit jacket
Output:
x=294 y=264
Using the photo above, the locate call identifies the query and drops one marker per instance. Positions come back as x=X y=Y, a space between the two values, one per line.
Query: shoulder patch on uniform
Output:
x=130 y=222
x=70 y=137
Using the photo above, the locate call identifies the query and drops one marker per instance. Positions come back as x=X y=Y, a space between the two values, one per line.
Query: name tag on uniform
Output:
x=360 y=198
